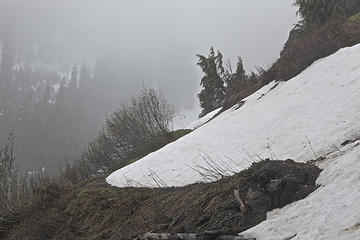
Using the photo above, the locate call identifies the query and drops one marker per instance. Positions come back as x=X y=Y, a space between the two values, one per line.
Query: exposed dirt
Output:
x=95 y=210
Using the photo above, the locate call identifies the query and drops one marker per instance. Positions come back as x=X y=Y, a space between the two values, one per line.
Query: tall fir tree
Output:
x=237 y=81
x=74 y=78
x=6 y=73
x=212 y=95
x=84 y=77
x=8 y=56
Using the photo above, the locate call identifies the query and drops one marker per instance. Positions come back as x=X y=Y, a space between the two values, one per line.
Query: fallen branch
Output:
x=213 y=235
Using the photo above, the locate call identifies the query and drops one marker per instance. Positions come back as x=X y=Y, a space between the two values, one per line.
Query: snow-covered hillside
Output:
x=203 y=120
x=301 y=119
x=332 y=212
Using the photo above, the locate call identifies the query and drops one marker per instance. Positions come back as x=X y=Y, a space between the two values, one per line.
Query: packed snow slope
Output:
x=203 y=120
x=301 y=119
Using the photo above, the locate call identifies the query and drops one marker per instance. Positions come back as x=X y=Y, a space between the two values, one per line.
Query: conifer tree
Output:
x=47 y=95
x=84 y=77
x=6 y=87
x=26 y=107
x=238 y=80
x=8 y=55
x=212 y=95
x=74 y=78
x=316 y=12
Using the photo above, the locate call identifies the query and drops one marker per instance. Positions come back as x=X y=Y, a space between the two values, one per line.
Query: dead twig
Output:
x=311 y=148
x=240 y=201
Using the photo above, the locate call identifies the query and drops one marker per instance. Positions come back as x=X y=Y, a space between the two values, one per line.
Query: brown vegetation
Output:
x=303 y=51
x=133 y=131
x=95 y=210
x=16 y=191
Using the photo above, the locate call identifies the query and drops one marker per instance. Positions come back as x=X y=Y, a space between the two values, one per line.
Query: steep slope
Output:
x=332 y=212
x=95 y=210
x=203 y=120
x=302 y=119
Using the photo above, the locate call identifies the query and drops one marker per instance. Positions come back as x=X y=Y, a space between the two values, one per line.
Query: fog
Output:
x=126 y=44
x=165 y=35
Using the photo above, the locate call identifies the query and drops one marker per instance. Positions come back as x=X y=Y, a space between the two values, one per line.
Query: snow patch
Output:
x=197 y=123
x=331 y=212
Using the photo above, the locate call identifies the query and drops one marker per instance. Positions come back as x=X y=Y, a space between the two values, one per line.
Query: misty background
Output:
x=68 y=64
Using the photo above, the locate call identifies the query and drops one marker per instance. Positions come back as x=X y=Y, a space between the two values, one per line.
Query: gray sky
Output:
x=163 y=34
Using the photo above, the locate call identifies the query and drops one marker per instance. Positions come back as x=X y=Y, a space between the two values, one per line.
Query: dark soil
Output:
x=95 y=210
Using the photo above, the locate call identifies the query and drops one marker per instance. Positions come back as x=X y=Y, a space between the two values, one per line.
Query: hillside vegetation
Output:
x=95 y=210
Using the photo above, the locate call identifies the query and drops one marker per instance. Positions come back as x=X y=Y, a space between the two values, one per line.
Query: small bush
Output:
x=135 y=130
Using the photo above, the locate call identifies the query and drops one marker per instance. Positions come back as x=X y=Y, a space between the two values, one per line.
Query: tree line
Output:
x=51 y=114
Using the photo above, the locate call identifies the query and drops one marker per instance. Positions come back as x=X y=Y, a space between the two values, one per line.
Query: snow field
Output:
x=301 y=119
x=332 y=212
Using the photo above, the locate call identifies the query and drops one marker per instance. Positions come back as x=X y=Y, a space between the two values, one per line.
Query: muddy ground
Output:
x=95 y=210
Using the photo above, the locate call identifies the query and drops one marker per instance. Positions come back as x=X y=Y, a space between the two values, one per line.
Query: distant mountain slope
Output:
x=301 y=119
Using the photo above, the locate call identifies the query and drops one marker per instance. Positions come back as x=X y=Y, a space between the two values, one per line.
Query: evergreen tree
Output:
x=47 y=95
x=318 y=12
x=85 y=77
x=87 y=116
x=212 y=95
x=74 y=79
x=61 y=97
x=8 y=56
x=315 y=13
x=238 y=80
x=6 y=76
x=26 y=107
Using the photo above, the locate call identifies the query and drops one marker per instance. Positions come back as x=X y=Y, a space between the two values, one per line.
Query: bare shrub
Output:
x=17 y=190
x=137 y=128
x=157 y=179
x=75 y=172
x=9 y=187
x=212 y=170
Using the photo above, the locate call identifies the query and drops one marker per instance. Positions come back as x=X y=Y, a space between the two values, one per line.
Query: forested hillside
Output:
x=53 y=112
